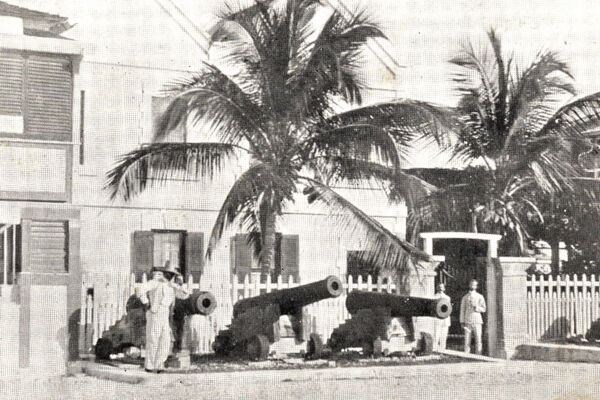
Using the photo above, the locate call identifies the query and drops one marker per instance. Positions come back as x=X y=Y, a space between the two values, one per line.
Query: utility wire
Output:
x=183 y=28
x=192 y=23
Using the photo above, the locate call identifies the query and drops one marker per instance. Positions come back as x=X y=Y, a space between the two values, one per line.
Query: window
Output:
x=183 y=249
x=167 y=247
x=159 y=106
x=286 y=257
x=36 y=96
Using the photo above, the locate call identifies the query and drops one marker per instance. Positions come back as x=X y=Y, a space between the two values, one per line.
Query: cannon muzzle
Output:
x=292 y=299
x=399 y=306
x=203 y=303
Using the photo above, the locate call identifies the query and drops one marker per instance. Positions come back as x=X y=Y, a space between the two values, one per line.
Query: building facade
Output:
x=77 y=93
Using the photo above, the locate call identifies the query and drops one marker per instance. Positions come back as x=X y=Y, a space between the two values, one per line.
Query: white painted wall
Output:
x=132 y=49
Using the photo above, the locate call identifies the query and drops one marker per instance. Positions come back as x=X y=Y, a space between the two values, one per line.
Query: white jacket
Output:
x=471 y=307
x=161 y=294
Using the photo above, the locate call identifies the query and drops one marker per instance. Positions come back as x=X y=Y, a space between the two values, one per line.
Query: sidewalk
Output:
x=135 y=374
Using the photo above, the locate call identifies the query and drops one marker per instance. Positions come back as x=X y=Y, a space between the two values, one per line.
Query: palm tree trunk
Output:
x=266 y=257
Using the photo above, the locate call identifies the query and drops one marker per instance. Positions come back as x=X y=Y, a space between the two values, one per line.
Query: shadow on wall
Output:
x=555 y=330
x=68 y=337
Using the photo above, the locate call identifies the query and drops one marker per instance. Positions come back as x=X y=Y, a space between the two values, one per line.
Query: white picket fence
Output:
x=105 y=296
x=560 y=307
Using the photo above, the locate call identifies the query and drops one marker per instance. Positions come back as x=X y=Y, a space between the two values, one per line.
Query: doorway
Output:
x=459 y=268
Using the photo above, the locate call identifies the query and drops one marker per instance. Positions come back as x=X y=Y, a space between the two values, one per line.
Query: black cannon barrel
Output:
x=203 y=303
x=292 y=299
x=400 y=306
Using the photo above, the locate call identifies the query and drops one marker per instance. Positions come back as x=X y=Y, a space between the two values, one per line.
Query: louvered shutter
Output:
x=11 y=84
x=194 y=254
x=49 y=92
x=142 y=253
x=242 y=255
x=48 y=246
x=290 y=255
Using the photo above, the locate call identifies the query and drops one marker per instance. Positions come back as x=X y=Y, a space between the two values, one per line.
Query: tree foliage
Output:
x=281 y=68
x=521 y=129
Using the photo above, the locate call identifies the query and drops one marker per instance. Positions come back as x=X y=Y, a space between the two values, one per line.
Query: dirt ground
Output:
x=512 y=380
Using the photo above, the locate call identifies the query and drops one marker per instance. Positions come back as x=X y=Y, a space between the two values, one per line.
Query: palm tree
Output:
x=282 y=68
x=523 y=140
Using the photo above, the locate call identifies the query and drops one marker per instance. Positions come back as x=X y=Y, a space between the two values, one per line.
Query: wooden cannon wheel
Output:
x=373 y=348
x=222 y=344
x=257 y=348
x=425 y=346
x=103 y=349
x=314 y=346
x=335 y=342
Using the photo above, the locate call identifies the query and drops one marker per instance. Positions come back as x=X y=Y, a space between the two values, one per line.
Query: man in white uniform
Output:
x=441 y=325
x=471 y=307
x=160 y=293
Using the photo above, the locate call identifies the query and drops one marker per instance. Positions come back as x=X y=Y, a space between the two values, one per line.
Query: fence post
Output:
x=246 y=286
x=594 y=300
x=268 y=284
x=234 y=289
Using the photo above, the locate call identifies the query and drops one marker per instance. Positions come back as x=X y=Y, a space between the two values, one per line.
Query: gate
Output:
x=462 y=251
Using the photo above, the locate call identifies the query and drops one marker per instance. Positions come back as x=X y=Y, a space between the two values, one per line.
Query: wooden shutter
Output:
x=48 y=251
x=142 y=253
x=49 y=91
x=242 y=255
x=194 y=254
x=11 y=83
x=290 y=257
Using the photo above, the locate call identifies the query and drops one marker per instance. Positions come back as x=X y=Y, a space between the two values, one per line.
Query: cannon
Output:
x=381 y=323
x=256 y=320
x=130 y=331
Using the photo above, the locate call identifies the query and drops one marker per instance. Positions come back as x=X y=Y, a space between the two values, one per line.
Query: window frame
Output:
x=25 y=111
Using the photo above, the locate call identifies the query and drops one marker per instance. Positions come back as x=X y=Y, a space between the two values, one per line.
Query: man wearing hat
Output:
x=471 y=308
x=159 y=294
x=441 y=325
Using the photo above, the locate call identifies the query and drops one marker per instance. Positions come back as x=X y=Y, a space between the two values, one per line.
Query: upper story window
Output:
x=36 y=92
x=159 y=106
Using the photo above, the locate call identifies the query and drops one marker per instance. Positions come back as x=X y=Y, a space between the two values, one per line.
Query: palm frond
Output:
x=404 y=120
x=476 y=83
x=213 y=98
x=158 y=163
x=242 y=201
x=502 y=79
x=400 y=185
x=534 y=95
x=384 y=249
x=326 y=34
x=361 y=141
x=544 y=76
x=575 y=118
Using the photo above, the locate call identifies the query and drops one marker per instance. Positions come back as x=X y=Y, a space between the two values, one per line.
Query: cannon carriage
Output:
x=130 y=331
x=382 y=323
x=256 y=320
